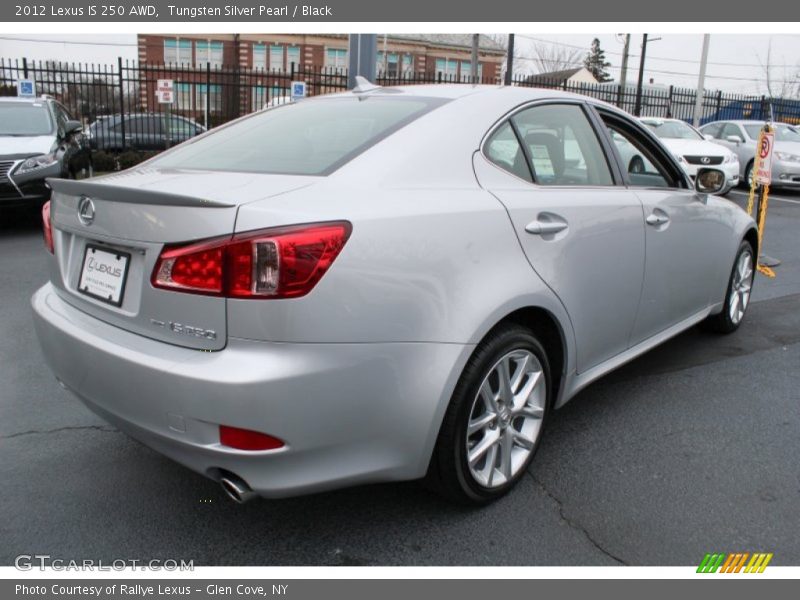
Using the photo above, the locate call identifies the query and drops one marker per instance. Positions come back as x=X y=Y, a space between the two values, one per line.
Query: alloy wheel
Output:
x=506 y=418
x=741 y=284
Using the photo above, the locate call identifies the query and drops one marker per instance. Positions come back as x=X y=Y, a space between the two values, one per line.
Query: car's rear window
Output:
x=310 y=137
x=25 y=118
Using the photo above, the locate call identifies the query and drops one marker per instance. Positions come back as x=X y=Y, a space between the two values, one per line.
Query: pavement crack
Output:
x=573 y=524
x=59 y=429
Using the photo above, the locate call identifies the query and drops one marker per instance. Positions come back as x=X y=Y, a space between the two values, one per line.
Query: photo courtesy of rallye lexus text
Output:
x=403 y=288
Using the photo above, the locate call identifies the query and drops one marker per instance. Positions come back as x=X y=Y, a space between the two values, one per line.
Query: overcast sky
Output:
x=735 y=61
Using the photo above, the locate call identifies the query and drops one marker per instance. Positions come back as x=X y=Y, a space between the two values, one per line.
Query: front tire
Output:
x=737 y=297
x=493 y=425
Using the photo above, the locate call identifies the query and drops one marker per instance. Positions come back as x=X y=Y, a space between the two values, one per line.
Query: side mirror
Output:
x=709 y=137
x=72 y=127
x=735 y=139
x=709 y=181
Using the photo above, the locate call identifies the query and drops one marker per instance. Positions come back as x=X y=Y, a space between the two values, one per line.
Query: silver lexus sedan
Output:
x=380 y=285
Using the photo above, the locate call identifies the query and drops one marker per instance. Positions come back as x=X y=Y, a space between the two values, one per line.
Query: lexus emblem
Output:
x=86 y=210
x=705 y=160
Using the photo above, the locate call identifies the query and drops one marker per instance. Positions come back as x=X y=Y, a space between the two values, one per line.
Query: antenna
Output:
x=364 y=85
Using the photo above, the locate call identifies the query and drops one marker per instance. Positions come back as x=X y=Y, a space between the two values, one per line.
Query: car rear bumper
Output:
x=349 y=413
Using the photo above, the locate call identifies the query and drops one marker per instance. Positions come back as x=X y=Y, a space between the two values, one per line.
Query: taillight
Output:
x=284 y=262
x=244 y=439
x=47 y=228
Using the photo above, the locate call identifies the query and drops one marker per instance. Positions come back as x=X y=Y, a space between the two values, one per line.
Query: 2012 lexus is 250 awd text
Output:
x=380 y=285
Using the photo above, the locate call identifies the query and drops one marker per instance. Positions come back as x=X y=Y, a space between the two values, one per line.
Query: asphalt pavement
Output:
x=692 y=448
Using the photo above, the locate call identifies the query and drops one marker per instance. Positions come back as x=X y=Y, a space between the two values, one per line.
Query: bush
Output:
x=131 y=158
x=103 y=161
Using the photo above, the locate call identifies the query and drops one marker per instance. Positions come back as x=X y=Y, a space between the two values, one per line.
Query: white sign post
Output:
x=165 y=92
x=766 y=142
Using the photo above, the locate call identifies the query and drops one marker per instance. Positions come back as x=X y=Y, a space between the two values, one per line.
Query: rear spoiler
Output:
x=116 y=193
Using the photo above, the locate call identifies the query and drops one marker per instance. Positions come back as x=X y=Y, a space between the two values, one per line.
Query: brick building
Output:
x=257 y=56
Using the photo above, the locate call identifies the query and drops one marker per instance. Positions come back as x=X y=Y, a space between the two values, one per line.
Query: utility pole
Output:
x=510 y=60
x=473 y=64
x=623 y=75
x=637 y=109
x=701 y=80
x=361 y=57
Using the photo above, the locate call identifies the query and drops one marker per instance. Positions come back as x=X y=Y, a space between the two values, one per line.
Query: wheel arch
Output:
x=751 y=237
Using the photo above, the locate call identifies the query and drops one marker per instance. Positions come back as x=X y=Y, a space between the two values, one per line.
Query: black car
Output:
x=141 y=131
x=38 y=139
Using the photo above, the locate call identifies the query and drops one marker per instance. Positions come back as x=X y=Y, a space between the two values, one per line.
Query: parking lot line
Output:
x=771 y=197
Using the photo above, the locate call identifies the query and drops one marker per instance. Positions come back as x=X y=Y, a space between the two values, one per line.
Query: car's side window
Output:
x=730 y=129
x=561 y=146
x=712 y=129
x=645 y=164
x=503 y=149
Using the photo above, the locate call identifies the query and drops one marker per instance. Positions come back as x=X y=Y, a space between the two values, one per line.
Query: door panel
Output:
x=594 y=264
x=679 y=244
x=681 y=255
x=583 y=235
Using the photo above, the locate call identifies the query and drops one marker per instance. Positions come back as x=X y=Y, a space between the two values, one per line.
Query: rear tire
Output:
x=737 y=297
x=491 y=430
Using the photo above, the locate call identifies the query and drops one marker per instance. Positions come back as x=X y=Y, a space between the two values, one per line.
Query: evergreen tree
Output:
x=596 y=62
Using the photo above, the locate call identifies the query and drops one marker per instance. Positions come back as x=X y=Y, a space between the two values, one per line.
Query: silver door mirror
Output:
x=709 y=181
x=734 y=139
x=709 y=137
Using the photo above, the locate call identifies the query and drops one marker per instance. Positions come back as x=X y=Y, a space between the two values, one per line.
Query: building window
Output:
x=447 y=68
x=466 y=67
x=214 y=101
x=208 y=52
x=293 y=56
x=177 y=51
x=259 y=56
x=387 y=64
x=408 y=65
x=335 y=58
x=183 y=96
x=276 y=58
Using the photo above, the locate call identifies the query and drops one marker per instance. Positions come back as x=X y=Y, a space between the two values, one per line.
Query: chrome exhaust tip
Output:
x=236 y=488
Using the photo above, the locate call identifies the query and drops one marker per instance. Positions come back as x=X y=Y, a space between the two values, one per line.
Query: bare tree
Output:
x=521 y=66
x=779 y=81
x=547 y=58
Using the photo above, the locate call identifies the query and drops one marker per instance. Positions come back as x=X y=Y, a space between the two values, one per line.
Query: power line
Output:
x=663 y=72
x=664 y=58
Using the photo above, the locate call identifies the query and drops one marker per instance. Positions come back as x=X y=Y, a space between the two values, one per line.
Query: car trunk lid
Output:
x=109 y=232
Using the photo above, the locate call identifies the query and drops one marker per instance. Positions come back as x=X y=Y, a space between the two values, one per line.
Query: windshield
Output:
x=310 y=137
x=783 y=133
x=25 y=118
x=673 y=130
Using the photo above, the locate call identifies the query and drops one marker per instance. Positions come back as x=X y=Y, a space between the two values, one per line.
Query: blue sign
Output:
x=298 y=90
x=26 y=88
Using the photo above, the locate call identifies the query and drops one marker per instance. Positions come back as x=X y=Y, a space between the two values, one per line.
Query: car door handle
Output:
x=656 y=219
x=545 y=227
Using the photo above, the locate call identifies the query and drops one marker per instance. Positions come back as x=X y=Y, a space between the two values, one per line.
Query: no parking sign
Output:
x=766 y=142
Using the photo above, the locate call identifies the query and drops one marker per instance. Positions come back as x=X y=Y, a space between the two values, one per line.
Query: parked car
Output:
x=38 y=139
x=695 y=151
x=741 y=137
x=141 y=131
x=404 y=285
